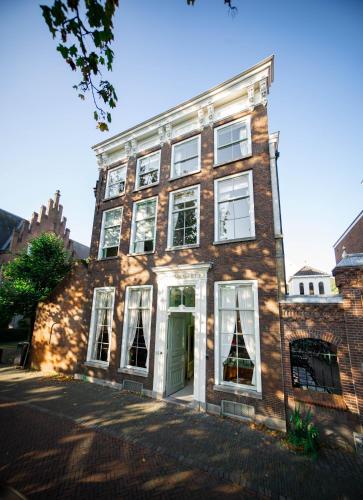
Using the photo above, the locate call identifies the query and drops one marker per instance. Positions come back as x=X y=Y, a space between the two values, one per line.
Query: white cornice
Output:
x=198 y=111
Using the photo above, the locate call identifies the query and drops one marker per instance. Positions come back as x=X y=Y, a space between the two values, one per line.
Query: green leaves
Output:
x=29 y=279
x=85 y=46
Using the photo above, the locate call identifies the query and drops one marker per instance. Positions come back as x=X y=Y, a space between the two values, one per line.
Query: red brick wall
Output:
x=352 y=241
x=336 y=415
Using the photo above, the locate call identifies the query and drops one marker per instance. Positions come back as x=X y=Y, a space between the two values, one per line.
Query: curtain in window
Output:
x=228 y=320
x=134 y=303
x=145 y=302
x=245 y=301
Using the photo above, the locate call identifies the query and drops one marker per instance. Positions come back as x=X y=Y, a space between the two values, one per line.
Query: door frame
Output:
x=182 y=275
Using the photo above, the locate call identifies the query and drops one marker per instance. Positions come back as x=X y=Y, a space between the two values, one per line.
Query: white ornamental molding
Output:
x=128 y=149
x=102 y=161
x=210 y=115
x=168 y=132
x=161 y=133
x=133 y=147
x=201 y=122
x=263 y=90
x=251 y=96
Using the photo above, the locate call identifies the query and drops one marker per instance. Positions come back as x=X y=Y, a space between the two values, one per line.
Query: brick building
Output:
x=184 y=293
x=351 y=241
x=16 y=233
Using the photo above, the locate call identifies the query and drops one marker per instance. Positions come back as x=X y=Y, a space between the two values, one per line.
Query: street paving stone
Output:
x=82 y=440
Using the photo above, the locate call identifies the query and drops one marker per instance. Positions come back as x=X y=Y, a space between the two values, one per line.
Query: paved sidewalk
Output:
x=184 y=442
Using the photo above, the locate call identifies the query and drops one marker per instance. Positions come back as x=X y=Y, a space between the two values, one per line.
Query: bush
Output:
x=302 y=433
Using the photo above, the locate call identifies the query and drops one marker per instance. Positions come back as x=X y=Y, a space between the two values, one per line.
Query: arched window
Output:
x=301 y=286
x=311 y=288
x=314 y=366
x=321 y=288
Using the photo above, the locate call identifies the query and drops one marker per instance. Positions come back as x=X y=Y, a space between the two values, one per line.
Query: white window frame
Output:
x=92 y=332
x=217 y=362
x=102 y=233
x=137 y=187
x=123 y=165
x=170 y=225
x=172 y=172
x=247 y=121
x=248 y=174
x=133 y=224
x=124 y=352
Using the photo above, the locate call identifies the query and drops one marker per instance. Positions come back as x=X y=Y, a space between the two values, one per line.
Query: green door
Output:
x=175 y=374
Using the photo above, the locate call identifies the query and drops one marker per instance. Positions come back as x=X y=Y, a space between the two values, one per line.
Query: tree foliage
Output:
x=85 y=34
x=84 y=29
x=30 y=277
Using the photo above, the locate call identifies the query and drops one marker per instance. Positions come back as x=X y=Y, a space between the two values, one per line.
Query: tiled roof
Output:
x=82 y=251
x=8 y=222
x=309 y=271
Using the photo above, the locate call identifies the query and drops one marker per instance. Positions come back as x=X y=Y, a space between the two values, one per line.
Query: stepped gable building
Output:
x=16 y=233
x=310 y=281
x=351 y=241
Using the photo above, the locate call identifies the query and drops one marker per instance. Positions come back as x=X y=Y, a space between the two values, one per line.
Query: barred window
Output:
x=314 y=366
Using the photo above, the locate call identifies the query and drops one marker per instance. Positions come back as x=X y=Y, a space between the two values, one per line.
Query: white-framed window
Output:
x=116 y=182
x=234 y=207
x=99 y=341
x=110 y=233
x=148 y=170
x=232 y=141
x=143 y=230
x=184 y=215
x=137 y=327
x=237 y=334
x=185 y=157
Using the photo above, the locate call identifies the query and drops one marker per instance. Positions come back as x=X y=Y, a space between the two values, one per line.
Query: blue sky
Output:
x=167 y=52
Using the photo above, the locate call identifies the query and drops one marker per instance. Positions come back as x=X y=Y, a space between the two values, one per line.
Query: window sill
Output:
x=238 y=391
x=184 y=175
x=136 y=254
x=97 y=364
x=129 y=371
x=236 y=240
x=172 y=249
x=216 y=165
x=145 y=187
x=114 y=197
x=320 y=398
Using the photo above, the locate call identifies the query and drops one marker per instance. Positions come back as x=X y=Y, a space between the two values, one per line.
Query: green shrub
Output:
x=302 y=432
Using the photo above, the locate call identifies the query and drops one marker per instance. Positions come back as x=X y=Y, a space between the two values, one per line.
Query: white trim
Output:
x=170 y=226
x=123 y=359
x=356 y=220
x=245 y=119
x=249 y=174
x=172 y=173
x=100 y=242
x=312 y=299
x=217 y=369
x=227 y=91
x=143 y=200
x=187 y=274
x=123 y=165
x=91 y=335
x=273 y=148
x=137 y=187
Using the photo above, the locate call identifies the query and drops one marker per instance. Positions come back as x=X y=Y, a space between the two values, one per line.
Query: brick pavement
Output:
x=226 y=450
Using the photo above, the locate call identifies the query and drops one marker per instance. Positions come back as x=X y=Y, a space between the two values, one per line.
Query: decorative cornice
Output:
x=251 y=85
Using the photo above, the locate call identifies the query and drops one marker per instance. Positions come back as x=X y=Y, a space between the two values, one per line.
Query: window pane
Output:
x=111 y=236
x=232 y=142
x=242 y=228
x=189 y=296
x=186 y=157
x=116 y=182
x=148 y=170
x=112 y=217
x=175 y=296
